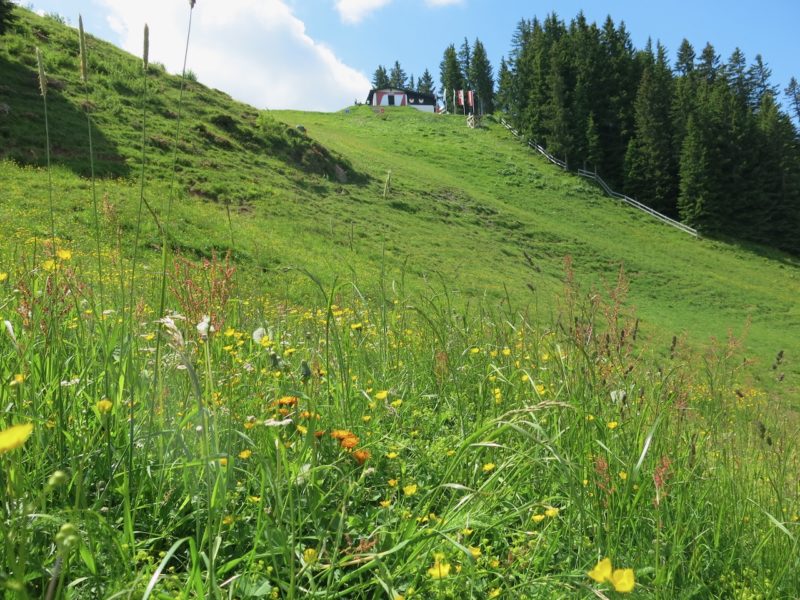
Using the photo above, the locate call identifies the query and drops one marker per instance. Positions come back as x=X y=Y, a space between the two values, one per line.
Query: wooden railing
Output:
x=599 y=181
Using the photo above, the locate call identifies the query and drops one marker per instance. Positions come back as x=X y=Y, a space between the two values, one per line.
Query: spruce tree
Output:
x=450 y=76
x=792 y=91
x=425 y=83
x=650 y=168
x=412 y=85
x=464 y=62
x=397 y=76
x=482 y=78
x=708 y=65
x=380 y=79
x=686 y=57
x=505 y=80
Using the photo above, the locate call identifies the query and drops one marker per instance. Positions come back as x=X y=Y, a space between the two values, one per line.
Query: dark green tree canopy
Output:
x=703 y=140
x=380 y=79
x=450 y=76
x=425 y=83
x=482 y=78
x=397 y=76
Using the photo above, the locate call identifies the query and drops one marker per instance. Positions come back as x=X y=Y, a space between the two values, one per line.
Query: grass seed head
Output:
x=146 y=53
x=42 y=77
x=82 y=47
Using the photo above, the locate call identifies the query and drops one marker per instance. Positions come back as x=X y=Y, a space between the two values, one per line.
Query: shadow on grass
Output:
x=22 y=128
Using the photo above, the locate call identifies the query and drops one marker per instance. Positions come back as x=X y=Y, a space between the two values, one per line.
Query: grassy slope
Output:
x=464 y=204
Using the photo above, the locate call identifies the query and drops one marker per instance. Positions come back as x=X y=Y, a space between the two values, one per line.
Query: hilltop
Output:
x=463 y=207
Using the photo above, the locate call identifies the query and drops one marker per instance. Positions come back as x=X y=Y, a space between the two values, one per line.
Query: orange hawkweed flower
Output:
x=349 y=442
x=361 y=456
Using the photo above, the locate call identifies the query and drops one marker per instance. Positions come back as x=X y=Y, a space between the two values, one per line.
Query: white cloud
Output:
x=255 y=50
x=354 y=11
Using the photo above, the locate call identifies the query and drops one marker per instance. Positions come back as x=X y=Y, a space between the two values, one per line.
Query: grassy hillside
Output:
x=461 y=204
x=434 y=367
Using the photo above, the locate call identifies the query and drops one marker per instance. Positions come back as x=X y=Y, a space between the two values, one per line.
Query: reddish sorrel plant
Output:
x=203 y=289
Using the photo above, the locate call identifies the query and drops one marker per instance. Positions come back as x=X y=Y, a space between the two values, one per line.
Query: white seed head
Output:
x=42 y=76
x=82 y=46
x=146 y=53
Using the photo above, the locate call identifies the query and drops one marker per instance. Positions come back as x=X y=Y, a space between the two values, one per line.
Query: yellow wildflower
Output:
x=623 y=580
x=440 y=569
x=392 y=455
x=601 y=571
x=612 y=424
x=382 y=395
x=489 y=467
x=310 y=555
x=538 y=518
x=551 y=512
x=227 y=520
x=14 y=437
x=386 y=503
x=49 y=265
x=494 y=593
x=63 y=254
x=392 y=482
x=104 y=406
x=18 y=379
x=410 y=490
x=475 y=552
x=623 y=475
x=245 y=454
x=3 y=277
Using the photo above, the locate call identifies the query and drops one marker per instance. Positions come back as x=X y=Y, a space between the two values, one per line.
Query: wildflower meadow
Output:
x=172 y=429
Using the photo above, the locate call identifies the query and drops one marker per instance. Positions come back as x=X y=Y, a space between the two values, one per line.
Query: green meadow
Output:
x=275 y=354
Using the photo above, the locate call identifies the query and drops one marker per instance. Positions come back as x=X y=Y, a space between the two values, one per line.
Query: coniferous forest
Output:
x=698 y=138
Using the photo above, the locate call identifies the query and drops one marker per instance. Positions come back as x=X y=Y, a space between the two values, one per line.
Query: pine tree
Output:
x=450 y=76
x=651 y=171
x=380 y=79
x=686 y=57
x=792 y=91
x=482 y=78
x=464 y=61
x=425 y=83
x=505 y=80
x=708 y=66
x=759 y=75
x=412 y=85
x=7 y=16
x=397 y=76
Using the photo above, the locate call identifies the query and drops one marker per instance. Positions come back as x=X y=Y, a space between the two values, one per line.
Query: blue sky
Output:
x=275 y=53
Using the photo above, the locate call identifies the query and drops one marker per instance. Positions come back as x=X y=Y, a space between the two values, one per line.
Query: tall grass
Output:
x=248 y=446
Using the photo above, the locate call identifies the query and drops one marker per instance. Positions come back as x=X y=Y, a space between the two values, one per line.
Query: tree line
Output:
x=397 y=78
x=701 y=139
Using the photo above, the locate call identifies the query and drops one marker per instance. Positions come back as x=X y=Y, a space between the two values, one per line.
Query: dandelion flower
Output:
x=104 y=406
x=623 y=475
x=14 y=437
x=356 y=326
x=602 y=571
x=392 y=482
x=551 y=512
x=245 y=454
x=410 y=490
x=494 y=593
x=227 y=520
x=310 y=555
x=612 y=424
x=18 y=379
x=49 y=265
x=488 y=467
x=382 y=395
x=475 y=552
x=538 y=518
x=386 y=503
x=63 y=254
x=223 y=462
x=3 y=277
x=392 y=455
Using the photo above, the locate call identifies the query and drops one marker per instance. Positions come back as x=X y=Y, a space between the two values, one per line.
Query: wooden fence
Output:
x=599 y=181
